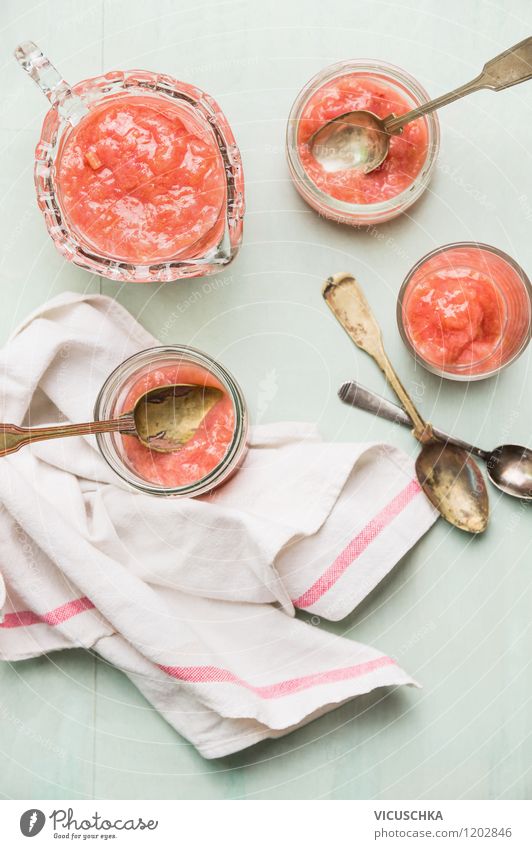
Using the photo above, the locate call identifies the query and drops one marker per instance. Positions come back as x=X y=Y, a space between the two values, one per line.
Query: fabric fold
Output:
x=194 y=599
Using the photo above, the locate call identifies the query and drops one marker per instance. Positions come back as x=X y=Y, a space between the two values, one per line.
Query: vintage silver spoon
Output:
x=163 y=419
x=450 y=478
x=361 y=140
x=509 y=466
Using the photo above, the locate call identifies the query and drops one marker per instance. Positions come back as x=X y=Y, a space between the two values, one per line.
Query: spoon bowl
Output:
x=510 y=469
x=168 y=416
x=356 y=140
x=454 y=484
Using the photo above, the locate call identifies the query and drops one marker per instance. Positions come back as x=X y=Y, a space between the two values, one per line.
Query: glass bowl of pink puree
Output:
x=203 y=463
x=350 y=197
x=137 y=174
x=465 y=311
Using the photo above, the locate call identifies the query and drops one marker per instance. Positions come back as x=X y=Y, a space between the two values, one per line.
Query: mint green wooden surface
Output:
x=456 y=611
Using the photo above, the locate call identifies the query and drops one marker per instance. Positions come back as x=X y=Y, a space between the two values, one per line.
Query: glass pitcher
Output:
x=218 y=237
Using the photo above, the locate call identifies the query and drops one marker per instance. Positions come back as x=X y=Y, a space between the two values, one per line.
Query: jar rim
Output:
x=521 y=275
x=185 y=353
x=336 y=207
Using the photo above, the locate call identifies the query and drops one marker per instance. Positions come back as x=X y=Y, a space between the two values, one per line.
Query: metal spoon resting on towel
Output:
x=163 y=419
x=448 y=475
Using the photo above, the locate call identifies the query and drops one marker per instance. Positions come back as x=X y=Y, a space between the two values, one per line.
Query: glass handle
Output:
x=51 y=83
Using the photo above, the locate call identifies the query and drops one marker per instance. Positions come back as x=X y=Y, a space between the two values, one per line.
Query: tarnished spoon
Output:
x=448 y=475
x=361 y=140
x=509 y=466
x=163 y=419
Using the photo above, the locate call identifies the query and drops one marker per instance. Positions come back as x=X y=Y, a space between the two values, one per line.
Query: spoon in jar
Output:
x=509 y=466
x=449 y=477
x=361 y=140
x=163 y=419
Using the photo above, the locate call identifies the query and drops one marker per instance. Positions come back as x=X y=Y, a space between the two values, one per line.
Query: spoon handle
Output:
x=346 y=300
x=13 y=437
x=358 y=396
x=509 y=68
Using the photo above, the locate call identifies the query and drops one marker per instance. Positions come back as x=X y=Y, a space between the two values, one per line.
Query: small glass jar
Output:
x=357 y=214
x=215 y=247
x=112 y=398
x=512 y=289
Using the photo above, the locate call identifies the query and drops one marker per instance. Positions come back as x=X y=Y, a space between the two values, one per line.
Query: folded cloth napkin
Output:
x=192 y=598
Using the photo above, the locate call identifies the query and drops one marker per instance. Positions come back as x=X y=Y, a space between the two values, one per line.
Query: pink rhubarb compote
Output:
x=465 y=310
x=407 y=154
x=203 y=452
x=139 y=182
x=455 y=317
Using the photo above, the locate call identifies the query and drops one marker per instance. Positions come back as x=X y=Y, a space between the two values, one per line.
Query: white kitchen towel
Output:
x=192 y=598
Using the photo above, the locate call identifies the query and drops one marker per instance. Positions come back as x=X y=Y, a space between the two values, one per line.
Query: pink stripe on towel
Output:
x=357 y=545
x=23 y=618
x=207 y=674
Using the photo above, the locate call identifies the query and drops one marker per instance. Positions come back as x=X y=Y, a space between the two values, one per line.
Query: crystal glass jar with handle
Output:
x=137 y=174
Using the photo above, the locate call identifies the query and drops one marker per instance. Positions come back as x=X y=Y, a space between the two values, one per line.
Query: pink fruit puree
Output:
x=455 y=317
x=138 y=183
x=201 y=454
x=407 y=153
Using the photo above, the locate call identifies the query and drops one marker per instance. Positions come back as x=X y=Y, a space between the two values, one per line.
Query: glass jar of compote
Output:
x=465 y=311
x=350 y=196
x=208 y=458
